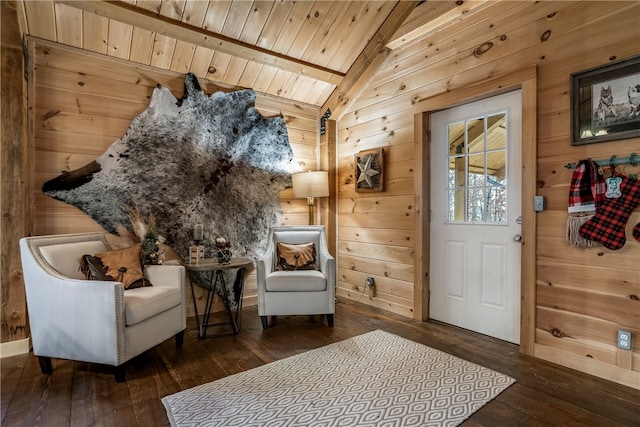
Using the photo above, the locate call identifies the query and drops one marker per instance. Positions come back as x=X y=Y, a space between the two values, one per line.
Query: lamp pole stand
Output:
x=310 y=203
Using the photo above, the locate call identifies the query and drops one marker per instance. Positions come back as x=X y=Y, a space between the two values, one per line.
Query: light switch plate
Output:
x=538 y=203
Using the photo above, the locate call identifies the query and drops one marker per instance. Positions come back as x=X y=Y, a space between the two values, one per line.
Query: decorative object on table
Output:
x=586 y=191
x=310 y=184
x=369 y=171
x=144 y=231
x=174 y=160
x=406 y=383
x=196 y=253
x=196 y=249
x=605 y=102
x=222 y=250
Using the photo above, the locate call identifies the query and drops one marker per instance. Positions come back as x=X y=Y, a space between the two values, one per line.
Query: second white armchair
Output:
x=301 y=285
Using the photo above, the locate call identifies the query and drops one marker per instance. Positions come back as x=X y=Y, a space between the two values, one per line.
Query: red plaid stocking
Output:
x=610 y=221
x=636 y=232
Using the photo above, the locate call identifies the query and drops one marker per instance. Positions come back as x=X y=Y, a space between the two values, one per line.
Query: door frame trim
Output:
x=526 y=81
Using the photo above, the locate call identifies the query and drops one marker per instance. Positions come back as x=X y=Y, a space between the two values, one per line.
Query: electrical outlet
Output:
x=538 y=203
x=624 y=339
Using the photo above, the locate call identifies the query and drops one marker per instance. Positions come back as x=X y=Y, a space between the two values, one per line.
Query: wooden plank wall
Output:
x=583 y=296
x=84 y=101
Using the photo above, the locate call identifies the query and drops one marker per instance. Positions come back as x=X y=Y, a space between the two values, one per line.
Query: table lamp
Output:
x=310 y=184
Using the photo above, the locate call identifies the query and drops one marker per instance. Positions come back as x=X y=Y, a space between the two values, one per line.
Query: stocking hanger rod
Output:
x=633 y=160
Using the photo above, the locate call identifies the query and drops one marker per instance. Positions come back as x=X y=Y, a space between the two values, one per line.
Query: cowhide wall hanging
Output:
x=208 y=159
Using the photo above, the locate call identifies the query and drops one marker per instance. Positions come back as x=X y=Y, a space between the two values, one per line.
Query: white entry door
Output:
x=476 y=174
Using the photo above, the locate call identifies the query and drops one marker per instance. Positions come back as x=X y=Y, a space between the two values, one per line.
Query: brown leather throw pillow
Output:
x=292 y=256
x=121 y=265
x=93 y=268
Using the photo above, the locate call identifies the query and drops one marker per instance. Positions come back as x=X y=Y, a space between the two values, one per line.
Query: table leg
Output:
x=195 y=307
x=211 y=293
x=217 y=285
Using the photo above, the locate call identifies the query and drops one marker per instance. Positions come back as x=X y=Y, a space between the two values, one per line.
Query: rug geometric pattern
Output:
x=375 y=379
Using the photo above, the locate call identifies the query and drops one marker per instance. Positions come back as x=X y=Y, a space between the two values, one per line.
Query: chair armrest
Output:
x=165 y=275
x=76 y=319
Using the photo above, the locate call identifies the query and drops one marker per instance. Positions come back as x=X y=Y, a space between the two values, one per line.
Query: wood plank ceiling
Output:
x=320 y=53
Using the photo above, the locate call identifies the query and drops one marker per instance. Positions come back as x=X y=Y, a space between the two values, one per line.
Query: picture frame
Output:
x=605 y=102
x=369 y=170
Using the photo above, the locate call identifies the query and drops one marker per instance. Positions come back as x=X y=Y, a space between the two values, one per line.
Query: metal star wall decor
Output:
x=370 y=170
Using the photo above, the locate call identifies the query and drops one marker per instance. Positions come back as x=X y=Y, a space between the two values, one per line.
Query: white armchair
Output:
x=96 y=321
x=296 y=292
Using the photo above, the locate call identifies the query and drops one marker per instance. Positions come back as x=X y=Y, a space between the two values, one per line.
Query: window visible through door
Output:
x=477 y=184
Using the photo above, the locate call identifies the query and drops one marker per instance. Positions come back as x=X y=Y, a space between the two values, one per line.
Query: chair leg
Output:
x=265 y=321
x=45 y=365
x=179 y=339
x=120 y=373
x=330 y=319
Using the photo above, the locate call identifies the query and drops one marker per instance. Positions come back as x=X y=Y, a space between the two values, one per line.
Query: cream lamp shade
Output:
x=310 y=184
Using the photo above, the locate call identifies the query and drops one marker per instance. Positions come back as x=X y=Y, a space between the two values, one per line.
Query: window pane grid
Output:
x=477 y=170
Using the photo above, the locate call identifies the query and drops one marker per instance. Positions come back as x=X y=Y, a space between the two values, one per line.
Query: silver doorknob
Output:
x=517 y=238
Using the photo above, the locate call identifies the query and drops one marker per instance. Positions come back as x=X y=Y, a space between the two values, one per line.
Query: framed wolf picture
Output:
x=605 y=102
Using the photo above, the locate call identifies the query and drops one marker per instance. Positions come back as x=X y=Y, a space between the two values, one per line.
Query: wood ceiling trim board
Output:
x=151 y=5
x=200 y=62
x=292 y=26
x=264 y=79
x=218 y=66
x=41 y=19
x=125 y=13
x=22 y=18
x=250 y=74
x=367 y=63
x=274 y=24
x=234 y=71
x=358 y=39
x=95 y=32
x=68 y=25
x=279 y=82
x=330 y=30
x=182 y=57
x=433 y=23
x=256 y=21
x=195 y=12
x=216 y=15
x=236 y=19
x=119 y=41
x=421 y=16
x=141 y=45
x=163 y=48
x=302 y=88
x=310 y=26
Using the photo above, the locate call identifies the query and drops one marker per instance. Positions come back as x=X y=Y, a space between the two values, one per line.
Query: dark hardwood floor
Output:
x=82 y=394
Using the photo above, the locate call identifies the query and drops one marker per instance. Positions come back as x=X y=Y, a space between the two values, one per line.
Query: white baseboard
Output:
x=14 y=348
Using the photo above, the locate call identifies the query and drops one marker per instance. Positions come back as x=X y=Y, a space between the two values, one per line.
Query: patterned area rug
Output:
x=375 y=379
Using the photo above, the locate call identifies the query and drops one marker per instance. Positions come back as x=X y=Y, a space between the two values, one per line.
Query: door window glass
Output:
x=477 y=159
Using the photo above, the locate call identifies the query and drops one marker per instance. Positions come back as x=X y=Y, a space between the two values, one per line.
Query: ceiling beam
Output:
x=368 y=62
x=430 y=17
x=143 y=18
